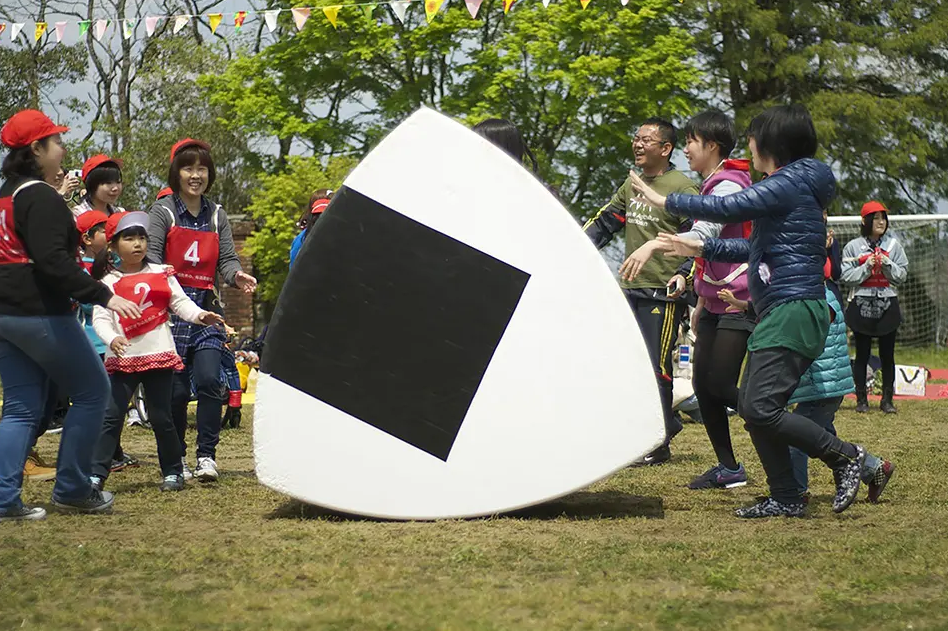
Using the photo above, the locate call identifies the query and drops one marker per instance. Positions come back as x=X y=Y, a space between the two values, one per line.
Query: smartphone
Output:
x=76 y=173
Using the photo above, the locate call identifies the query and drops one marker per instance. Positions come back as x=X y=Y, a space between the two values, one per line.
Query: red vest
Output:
x=876 y=278
x=152 y=294
x=12 y=250
x=193 y=254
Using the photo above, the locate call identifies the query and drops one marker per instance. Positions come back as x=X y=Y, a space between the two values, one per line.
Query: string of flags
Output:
x=300 y=16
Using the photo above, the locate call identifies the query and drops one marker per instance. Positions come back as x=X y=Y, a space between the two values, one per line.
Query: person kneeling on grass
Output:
x=786 y=253
x=140 y=351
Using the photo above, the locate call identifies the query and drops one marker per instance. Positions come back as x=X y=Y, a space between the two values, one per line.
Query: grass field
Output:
x=636 y=551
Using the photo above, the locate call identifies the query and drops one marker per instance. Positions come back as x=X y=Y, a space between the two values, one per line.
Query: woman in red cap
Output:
x=874 y=264
x=40 y=337
x=102 y=176
x=191 y=233
x=318 y=202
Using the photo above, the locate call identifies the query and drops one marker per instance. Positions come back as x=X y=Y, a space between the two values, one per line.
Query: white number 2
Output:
x=145 y=290
x=192 y=254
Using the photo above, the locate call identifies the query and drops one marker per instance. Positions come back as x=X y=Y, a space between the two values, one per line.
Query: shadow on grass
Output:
x=579 y=506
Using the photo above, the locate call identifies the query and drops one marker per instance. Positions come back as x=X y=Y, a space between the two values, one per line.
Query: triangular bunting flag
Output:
x=180 y=22
x=399 y=7
x=332 y=14
x=271 y=18
x=17 y=27
x=367 y=9
x=624 y=2
x=215 y=20
x=431 y=8
x=507 y=5
x=239 y=18
x=128 y=28
x=60 y=30
x=101 y=26
x=151 y=22
x=546 y=3
x=40 y=29
x=474 y=5
x=84 y=27
x=3 y=27
x=585 y=3
x=300 y=16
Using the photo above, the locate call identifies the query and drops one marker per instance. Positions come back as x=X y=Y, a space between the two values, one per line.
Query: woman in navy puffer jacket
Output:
x=786 y=253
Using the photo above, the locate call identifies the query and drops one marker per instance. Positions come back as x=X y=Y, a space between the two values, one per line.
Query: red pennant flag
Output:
x=239 y=18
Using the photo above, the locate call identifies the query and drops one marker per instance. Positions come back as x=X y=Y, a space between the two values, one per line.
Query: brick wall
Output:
x=238 y=306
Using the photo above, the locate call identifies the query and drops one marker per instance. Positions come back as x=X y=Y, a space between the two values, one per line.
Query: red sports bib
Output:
x=193 y=254
x=152 y=294
x=11 y=248
x=877 y=278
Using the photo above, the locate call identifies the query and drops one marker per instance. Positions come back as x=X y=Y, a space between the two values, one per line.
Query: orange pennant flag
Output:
x=508 y=4
x=215 y=20
x=585 y=3
x=40 y=29
x=332 y=13
x=431 y=8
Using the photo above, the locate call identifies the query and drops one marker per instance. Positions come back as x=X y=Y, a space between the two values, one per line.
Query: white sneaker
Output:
x=206 y=470
x=133 y=418
x=186 y=474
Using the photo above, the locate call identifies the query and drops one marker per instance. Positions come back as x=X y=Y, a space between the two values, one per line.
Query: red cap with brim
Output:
x=123 y=221
x=184 y=144
x=319 y=206
x=873 y=207
x=28 y=126
x=97 y=161
x=89 y=219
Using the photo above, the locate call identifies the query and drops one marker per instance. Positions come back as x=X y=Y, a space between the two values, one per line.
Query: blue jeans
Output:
x=33 y=351
x=205 y=367
x=823 y=413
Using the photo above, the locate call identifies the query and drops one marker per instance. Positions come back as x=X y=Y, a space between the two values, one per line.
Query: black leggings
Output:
x=886 y=354
x=719 y=354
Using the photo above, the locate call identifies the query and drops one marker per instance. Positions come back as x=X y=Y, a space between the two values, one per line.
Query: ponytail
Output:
x=102 y=264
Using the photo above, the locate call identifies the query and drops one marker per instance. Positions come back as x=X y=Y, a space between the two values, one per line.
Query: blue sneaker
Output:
x=719 y=477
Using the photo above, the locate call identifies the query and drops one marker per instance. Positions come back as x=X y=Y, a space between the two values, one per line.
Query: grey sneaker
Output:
x=23 y=513
x=97 y=482
x=720 y=477
x=769 y=507
x=187 y=475
x=98 y=502
x=848 y=478
x=206 y=470
x=172 y=483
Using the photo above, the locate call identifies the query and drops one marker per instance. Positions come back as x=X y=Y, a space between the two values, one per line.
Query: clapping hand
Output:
x=676 y=245
x=645 y=192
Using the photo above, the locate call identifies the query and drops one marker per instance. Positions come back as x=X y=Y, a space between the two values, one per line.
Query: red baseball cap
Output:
x=873 y=207
x=118 y=222
x=89 y=219
x=164 y=193
x=97 y=161
x=319 y=205
x=184 y=144
x=27 y=126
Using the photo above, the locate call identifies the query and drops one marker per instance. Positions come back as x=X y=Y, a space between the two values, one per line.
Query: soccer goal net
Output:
x=923 y=297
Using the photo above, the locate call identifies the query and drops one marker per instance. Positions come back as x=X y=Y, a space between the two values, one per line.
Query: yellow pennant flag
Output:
x=40 y=29
x=431 y=8
x=585 y=3
x=215 y=20
x=332 y=13
x=508 y=4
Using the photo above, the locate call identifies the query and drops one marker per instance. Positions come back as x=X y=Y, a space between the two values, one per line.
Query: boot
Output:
x=862 y=401
x=887 y=405
x=35 y=469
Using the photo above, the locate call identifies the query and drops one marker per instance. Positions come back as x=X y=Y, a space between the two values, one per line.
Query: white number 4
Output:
x=192 y=255
x=144 y=290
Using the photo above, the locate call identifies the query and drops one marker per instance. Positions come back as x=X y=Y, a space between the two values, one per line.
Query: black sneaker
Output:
x=848 y=479
x=98 y=502
x=125 y=463
x=172 y=483
x=769 y=507
x=880 y=480
x=720 y=477
x=22 y=513
x=658 y=456
x=97 y=483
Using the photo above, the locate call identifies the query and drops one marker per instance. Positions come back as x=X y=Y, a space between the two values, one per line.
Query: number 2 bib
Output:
x=193 y=254
x=152 y=294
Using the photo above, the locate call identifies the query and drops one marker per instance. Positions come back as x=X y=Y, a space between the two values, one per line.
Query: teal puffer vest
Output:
x=831 y=375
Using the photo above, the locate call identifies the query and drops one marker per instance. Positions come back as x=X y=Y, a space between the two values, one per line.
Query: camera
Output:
x=76 y=173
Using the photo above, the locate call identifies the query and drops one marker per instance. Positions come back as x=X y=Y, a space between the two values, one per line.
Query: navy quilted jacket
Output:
x=787 y=247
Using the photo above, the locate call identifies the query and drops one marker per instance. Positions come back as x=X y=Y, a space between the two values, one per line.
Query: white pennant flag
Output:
x=546 y=3
x=271 y=18
x=180 y=22
x=474 y=5
x=151 y=23
x=60 y=31
x=100 y=28
x=300 y=16
x=624 y=2
x=17 y=27
x=400 y=7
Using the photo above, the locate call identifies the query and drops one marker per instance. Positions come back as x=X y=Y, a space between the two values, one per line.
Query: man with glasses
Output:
x=643 y=277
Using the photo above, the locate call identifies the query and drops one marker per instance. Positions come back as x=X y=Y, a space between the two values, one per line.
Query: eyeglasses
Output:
x=638 y=140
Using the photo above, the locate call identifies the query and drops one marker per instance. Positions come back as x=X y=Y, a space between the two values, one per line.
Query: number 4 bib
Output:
x=193 y=254
x=152 y=294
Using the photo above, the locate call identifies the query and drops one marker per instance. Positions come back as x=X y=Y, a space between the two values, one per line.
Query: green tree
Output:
x=276 y=206
x=872 y=73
